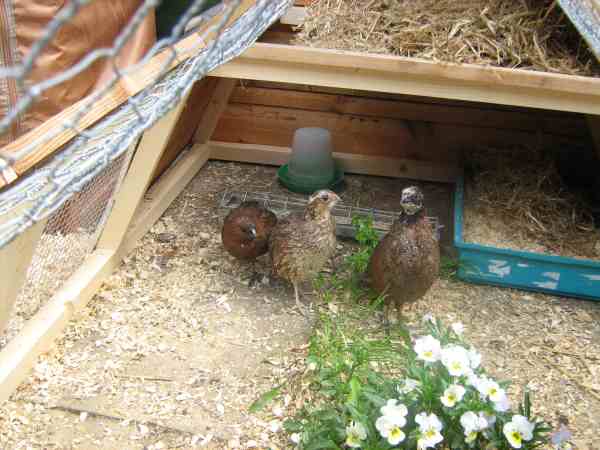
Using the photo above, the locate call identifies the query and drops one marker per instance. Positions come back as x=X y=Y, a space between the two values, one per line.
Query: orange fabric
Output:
x=96 y=25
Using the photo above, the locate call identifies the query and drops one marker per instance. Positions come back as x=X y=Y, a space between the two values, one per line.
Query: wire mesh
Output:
x=69 y=236
x=42 y=192
x=281 y=205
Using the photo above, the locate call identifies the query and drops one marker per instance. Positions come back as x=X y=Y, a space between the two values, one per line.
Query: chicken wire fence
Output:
x=69 y=236
x=42 y=192
x=74 y=188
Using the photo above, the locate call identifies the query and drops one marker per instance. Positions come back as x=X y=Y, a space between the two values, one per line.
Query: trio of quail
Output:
x=403 y=266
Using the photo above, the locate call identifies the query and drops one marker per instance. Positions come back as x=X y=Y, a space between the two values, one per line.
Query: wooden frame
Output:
x=383 y=73
x=126 y=87
x=134 y=213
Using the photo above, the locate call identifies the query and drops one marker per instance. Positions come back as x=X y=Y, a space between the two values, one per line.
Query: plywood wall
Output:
x=392 y=126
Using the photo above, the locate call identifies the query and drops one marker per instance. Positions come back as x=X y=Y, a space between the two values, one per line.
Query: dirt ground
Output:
x=182 y=338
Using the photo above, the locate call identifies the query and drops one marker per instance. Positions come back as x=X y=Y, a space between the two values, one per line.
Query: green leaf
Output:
x=355 y=389
x=292 y=426
x=264 y=399
x=321 y=442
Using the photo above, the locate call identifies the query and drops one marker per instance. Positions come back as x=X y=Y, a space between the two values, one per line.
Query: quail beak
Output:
x=252 y=232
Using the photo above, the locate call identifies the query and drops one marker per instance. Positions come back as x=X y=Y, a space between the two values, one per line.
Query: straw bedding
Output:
x=526 y=34
x=517 y=199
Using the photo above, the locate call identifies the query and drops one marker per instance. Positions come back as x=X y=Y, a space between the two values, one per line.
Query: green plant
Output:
x=449 y=268
x=443 y=399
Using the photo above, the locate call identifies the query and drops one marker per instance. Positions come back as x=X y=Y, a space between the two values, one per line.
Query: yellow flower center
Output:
x=429 y=434
x=353 y=439
x=516 y=437
x=451 y=398
x=455 y=365
x=471 y=437
x=493 y=391
x=428 y=354
x=395 y=433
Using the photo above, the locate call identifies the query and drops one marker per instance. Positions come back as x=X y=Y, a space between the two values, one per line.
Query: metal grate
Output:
x=282 y=205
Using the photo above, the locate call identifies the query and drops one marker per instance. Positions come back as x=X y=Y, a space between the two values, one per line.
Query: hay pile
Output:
x=526 y=34
x=516 y=199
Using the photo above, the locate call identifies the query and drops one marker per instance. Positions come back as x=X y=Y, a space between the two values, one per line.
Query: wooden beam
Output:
x=212 y=113
x=594 y=126
x=138 y=178
x=351 y=163
x=167 y=188
x=38 y=335
x=186 y=125
x=406 y=108
x=392 y=74
x=128 y=86
x=15 y=259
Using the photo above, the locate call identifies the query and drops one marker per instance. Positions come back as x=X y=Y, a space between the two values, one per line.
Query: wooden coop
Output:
x=389 y=116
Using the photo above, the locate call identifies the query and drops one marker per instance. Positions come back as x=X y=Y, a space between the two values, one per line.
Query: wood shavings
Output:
x=177 y=354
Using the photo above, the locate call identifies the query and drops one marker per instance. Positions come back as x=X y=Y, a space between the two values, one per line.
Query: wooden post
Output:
x=214 y=109
x=138 y=178
x=15 y=259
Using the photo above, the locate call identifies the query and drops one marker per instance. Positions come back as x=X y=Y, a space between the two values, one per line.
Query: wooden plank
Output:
x=117 y=95
x=458 y=114
x=359 y=164
x=187 y=123
x=594 y=126
x=146 y=157
x=352 y=134
x=217 y=104
x=391 y=74
x=369 y=135
x=15 y=259
x=40 y=332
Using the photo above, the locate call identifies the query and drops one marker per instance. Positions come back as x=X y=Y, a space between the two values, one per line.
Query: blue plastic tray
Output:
x=522 y=270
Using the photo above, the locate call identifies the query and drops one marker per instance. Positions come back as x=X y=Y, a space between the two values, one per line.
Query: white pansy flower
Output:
x=430 y=428
x=395 y=410
x=474 y=358
x=295 y=438
x=428 y=349
x=452 y=395
x=502 y=405
x=407 y=386
x=390 y=428
x=490 y=389
x=458 y=328
x=456 y=360
x=429 y=318
x=519 y=429
x=355 y=434
x=473 y=379
x=472 y=425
